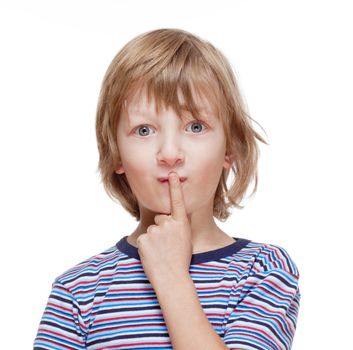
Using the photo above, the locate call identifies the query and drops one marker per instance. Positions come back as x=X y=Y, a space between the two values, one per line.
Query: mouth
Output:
x=165 y=180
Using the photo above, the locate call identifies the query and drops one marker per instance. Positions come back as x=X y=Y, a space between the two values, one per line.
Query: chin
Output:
x=164 y=210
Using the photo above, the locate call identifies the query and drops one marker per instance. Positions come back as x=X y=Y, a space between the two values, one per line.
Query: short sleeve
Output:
x=266 y=314
x=61 y=326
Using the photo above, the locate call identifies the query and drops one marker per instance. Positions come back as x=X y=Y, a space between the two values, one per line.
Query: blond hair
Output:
x=166 y=61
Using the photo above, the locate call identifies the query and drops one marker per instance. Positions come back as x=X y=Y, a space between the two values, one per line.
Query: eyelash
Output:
x=193 y=122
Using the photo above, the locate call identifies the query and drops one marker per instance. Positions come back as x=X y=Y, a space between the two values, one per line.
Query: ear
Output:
x=120 y=169
x=228 y=161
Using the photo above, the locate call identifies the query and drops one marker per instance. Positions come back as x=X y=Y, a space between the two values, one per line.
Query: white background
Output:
x=293 y=61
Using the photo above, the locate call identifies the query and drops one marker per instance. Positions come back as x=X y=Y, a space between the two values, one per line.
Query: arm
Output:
x=165 y=251
x=188 y=326
x=265 y=314
x=61 y=326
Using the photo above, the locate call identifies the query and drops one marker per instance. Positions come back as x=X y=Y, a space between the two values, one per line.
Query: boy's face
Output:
x=152 y=145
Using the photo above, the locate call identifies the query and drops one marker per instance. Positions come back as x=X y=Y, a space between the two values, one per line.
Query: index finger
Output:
x=176 y=197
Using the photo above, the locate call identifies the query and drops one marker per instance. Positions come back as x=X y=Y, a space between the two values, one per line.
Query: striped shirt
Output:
x=248 y=291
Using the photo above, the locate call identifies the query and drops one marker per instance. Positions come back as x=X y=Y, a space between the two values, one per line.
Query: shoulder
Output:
x=270 y=273
x=90 y=271
x=265 y=257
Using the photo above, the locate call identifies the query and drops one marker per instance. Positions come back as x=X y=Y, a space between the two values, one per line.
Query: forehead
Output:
x=140 y=103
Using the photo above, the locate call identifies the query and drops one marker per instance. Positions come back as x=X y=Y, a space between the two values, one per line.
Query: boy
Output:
x=178 y=281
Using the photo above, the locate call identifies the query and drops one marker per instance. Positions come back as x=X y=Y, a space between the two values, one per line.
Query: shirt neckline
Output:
x=125 y=247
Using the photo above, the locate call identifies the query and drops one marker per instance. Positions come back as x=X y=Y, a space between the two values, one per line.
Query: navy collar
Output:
x=125 y=247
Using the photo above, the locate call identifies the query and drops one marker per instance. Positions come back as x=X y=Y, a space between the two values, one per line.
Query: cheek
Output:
x=209 y=157
x=135 y=171
x=134 y=159
x=209 y=166
x=136 y=168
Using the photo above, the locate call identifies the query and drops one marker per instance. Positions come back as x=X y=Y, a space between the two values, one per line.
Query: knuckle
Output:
x=152 y=228
x=176 y=202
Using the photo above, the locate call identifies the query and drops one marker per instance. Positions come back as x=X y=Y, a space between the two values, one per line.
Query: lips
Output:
x=165 y=179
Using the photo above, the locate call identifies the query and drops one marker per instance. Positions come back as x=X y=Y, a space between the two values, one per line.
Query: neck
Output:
x=205 y=232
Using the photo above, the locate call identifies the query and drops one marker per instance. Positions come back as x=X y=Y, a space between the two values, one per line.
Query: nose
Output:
x=169 y=152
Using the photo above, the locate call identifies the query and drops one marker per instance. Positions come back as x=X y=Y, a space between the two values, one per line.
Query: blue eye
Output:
x=143 y=129
x=198 y=128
